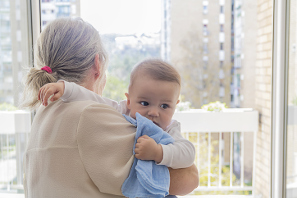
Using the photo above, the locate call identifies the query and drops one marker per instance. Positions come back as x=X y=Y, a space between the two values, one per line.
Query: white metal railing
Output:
x=14 y=132
x=235 y=123
x=197 y=125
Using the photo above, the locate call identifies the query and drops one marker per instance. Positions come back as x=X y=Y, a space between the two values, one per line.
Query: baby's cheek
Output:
x=132 y=114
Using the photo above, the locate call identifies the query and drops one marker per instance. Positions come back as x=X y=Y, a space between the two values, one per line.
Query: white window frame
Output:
x=279 y=88
x=279 y=98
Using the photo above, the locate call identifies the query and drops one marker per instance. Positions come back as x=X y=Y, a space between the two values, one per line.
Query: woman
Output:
x=82 y=148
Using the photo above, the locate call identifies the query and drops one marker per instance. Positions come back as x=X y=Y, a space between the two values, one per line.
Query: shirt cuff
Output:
x=68 y=89
x=166 y=157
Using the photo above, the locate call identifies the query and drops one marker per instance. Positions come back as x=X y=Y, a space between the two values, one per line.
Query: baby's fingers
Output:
x=56 y=96
x=46 y=96
x=41 y=93
x=144 y=136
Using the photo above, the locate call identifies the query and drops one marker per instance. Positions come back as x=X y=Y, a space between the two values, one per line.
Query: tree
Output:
x=200 y=78
x=115 y=88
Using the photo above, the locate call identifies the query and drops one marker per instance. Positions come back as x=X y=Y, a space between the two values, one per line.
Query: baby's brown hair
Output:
x=156 y=69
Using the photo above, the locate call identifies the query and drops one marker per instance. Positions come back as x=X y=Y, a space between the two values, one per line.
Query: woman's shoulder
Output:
x=61 y=109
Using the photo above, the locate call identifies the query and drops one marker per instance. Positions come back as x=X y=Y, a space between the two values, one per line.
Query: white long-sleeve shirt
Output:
x=180 y=154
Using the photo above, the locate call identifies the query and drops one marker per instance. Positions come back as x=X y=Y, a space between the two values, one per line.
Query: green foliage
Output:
x=183 y=105
x=123 y=61
x=115 y=88
x=295 y=101
x=214 y=106
x=7 y=107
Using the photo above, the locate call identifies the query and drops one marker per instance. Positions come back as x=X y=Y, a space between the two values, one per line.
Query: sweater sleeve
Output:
x=105 y=142
x=180 y=154
x=75 y=92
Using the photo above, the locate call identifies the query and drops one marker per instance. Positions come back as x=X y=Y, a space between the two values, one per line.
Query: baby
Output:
x=153 y=92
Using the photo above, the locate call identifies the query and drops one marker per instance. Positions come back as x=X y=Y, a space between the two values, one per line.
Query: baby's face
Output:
x=153 y=99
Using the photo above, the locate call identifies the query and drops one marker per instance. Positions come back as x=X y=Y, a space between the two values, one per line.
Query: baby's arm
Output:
x=179 y=154
x=75 y=92
x=70 y=92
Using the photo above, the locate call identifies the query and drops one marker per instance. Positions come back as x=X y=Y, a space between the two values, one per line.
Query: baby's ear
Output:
x=128 y=100
x=177 y=101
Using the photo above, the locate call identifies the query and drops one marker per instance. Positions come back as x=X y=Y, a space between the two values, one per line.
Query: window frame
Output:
x=279 y=97
x=279 y=86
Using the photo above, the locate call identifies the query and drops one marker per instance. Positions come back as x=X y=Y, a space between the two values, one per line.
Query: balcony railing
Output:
x=219 y=138
x=14 y=132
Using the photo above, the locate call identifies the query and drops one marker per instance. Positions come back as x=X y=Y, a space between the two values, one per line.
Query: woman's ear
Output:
x=128 y=101
x=97 y=66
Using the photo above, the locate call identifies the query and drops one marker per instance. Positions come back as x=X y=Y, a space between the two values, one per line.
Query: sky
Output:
x=123 y=16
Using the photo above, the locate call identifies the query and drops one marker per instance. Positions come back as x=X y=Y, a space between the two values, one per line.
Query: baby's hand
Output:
x=147 y=149
x=55 y=89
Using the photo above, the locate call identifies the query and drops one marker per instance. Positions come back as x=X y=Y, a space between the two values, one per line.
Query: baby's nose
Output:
x=153 y=112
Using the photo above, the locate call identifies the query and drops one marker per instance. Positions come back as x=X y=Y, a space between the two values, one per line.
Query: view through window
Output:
x=222 y=50
x=291 y=161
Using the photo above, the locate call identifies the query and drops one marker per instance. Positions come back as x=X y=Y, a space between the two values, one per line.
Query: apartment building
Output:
x=244 y=65
x=14 y=41
x=213 y=45
x=196 y=39
x=14 y=55
x=52 y=9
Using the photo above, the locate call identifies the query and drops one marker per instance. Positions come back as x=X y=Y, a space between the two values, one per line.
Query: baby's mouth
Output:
x=156 y=123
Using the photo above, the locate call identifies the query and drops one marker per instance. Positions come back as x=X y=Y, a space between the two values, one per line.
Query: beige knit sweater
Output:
x=80 y=149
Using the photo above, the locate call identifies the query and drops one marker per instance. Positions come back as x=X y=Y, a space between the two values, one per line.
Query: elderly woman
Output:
x=82 y=148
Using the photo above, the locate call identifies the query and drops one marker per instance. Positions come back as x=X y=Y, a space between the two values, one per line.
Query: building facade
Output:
x=232 y=41
x=15 y=41
x=14 y=53
x=196 y=39
x=263 y=96
x=244 y=65
x=52 y=9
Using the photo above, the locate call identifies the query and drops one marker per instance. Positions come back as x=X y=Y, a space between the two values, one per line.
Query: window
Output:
x=205 y=9
x=136 y=43
x=222 y=9
x=15 y=53
x=291 y=129
x=205 y=49
x=221 y=27
x=63 y=11
x=205 y=63
x=205 y=31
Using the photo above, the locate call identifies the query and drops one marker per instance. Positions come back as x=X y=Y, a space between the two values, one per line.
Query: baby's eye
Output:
x=143 y=103
x=164 y=106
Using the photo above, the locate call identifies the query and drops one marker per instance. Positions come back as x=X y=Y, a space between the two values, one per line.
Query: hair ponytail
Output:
x=68 y=46
x=34 y=80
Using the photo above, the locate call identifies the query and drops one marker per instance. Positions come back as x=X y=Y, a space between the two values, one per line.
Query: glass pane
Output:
x=222 y=49
x=14 y=56
x=130 y=32
x=291 y=177
x=52 y=9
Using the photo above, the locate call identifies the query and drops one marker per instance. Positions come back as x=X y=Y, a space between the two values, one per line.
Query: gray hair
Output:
x=68 y=46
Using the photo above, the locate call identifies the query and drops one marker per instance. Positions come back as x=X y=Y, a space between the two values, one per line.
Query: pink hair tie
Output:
x=47 y=69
